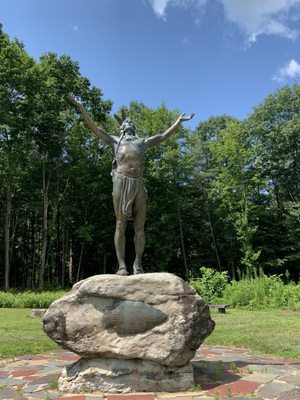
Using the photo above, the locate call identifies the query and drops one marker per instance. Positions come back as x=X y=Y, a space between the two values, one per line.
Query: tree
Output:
x=56 y=79
x=274 y=131
x=215 y=243
x=15 y=81
x=36 y=120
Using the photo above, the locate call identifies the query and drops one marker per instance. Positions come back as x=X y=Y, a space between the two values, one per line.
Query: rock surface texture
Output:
x=154 y=323
x=124 y=376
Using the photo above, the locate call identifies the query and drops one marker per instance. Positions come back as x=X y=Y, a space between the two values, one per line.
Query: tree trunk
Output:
x=12 y=245
x=186 y=270
x=70 y=263
x=59 y=264
x=7 y=223
x=104 y=261
x=45 y=229
x=214 y=240
x=33 y=282
x=80 y=261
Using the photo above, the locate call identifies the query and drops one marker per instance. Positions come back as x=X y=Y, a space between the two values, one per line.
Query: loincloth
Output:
x=129 y=191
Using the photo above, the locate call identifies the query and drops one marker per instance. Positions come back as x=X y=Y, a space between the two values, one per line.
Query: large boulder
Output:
x=156 y=317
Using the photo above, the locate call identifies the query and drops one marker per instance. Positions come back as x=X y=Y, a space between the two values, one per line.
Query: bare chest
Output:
x=130 y=151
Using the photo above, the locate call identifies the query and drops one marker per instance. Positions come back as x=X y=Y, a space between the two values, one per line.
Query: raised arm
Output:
x=156 y=139
x=99 y=132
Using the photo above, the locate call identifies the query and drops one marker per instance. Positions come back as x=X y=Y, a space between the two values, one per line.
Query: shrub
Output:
x=262 y=292
x=211 y=284
x=29 y=299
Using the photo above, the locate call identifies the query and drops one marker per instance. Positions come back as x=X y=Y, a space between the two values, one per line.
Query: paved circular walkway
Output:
x=221 y=373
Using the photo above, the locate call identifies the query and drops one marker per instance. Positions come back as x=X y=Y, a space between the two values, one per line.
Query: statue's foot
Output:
x=122 y=271
x=138 y=270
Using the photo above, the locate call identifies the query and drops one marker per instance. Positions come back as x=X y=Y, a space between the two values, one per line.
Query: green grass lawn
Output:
x=21 y=334
x=273 y=332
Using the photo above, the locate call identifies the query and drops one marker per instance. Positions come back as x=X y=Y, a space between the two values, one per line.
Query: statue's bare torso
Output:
x=129 y=156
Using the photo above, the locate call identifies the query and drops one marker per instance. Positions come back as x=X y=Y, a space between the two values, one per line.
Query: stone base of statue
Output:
x=124 y=376
x=134 y=333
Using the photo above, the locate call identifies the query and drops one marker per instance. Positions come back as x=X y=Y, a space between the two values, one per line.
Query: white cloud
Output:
x=253 y=17
x=160 y=6
x=289 y=71
x=258 y=17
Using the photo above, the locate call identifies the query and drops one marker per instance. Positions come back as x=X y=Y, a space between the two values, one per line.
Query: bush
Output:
x=29 y=299
x=262 y=292
x=211 y=284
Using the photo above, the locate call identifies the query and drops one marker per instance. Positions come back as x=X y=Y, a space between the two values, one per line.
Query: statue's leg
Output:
x=138 y=224
x=121 y=223
x=120 y=242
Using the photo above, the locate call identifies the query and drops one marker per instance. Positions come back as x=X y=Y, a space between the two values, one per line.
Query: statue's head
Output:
x=127 y=126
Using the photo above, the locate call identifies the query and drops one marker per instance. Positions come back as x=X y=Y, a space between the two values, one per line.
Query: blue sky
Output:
x=210 y=57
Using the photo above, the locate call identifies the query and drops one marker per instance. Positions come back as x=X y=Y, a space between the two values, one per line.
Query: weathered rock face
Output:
x=156 y=317
x=124 y=376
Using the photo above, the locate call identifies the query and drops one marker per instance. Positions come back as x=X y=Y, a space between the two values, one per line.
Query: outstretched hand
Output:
x=183 y=118
x=74 y=101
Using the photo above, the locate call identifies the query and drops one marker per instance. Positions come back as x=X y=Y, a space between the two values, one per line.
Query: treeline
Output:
x=225 y=195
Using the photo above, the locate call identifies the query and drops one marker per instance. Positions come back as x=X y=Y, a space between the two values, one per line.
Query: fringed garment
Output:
x=129 y=190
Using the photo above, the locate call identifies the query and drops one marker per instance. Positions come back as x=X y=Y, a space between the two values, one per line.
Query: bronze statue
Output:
x=129 y=192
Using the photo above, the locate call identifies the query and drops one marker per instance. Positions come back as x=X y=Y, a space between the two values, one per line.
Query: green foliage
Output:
x=251 y=291
x=211 y=284
x=28 y=299
x=273 y=130
x=262 y=292
x=225 y=194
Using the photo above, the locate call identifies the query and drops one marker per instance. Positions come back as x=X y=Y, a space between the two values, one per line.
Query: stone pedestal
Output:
x=135 y=333
x=124 y=376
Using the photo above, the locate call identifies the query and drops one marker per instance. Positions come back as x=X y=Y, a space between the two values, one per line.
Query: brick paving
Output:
x=219 y=372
